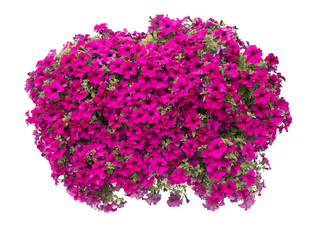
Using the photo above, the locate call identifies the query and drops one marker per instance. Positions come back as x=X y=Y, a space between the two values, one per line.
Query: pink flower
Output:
x=82 y=176
x=101 y=27
x=174 y=200
x=181 y=87
x=223 y=34
x=261 y=136
x=217 y=148
x=178 y=176
x=159 y=165
x=250 y=177
x=249 y=151
x=189 y=147
x=167 y=26
x=192 y=121
x=95 y=74
x=214 y=101
x=262 y=95
x=272 y=59
x=134 y=164
x=99 y=169
x=244 y=122
x=229 y=187
x=253 y=54
x=150 y=68
x=247 y=203
x=231 y=69
x=216 y=171
x=130 y=187
x=216 y=192
x=117 y=66
x=52 y=90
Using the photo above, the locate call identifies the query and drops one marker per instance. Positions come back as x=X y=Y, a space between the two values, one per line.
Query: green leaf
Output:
x=244 y=165
x=251 y=115
x=227 y=141
x=231 y=155
x=184 y=138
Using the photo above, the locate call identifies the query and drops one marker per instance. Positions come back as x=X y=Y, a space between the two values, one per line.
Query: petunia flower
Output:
x=130 y=187
x=192 y=121
x=52 y=90
x=160 y=80
x=134 y=163
x=152 y=198
x=272 y=59
x=125 y=50
x=117 y=66
x=262 y=95
x=249 y=177
x=229 y=187
x=160 y=165
x=214 y=101
x=82 y=176
x=223 y=34
x=253 y=54
x=95 y=74
x=99 y=169
x=216 y=171
x=177 y=177
x=67 y=60
x=231 y=69
x=139 y=116
x=149 y=68
x=174 y=200
x=217 y=148
x=249 y=151
x=216 y=192
x=189 y=147
x=247 y=203
x=244 y=122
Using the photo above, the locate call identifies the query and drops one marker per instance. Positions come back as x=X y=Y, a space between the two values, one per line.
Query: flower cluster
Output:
x=187 y=104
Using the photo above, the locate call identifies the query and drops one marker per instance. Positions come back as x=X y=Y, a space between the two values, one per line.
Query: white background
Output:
x=32 y=207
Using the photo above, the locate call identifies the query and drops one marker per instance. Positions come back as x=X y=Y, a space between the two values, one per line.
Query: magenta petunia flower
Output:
x=174 y=200
x=272 y=59
x=100 y=27
x=253 y=54
x=214 y=101
x=217 y=148
x=52 y=90
x=134 y=164
x=189 y=147
x=117 y=66
x=178 y=176
x=244 y=122
x=229 y=187
x=216 y=171
x=231 y=69
x=262 y=95
x=181 y=87
x=250 y=177
x=216 y=192
x=192 y=121
x=249 y=151
x=160 y=165
x=95 y=74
